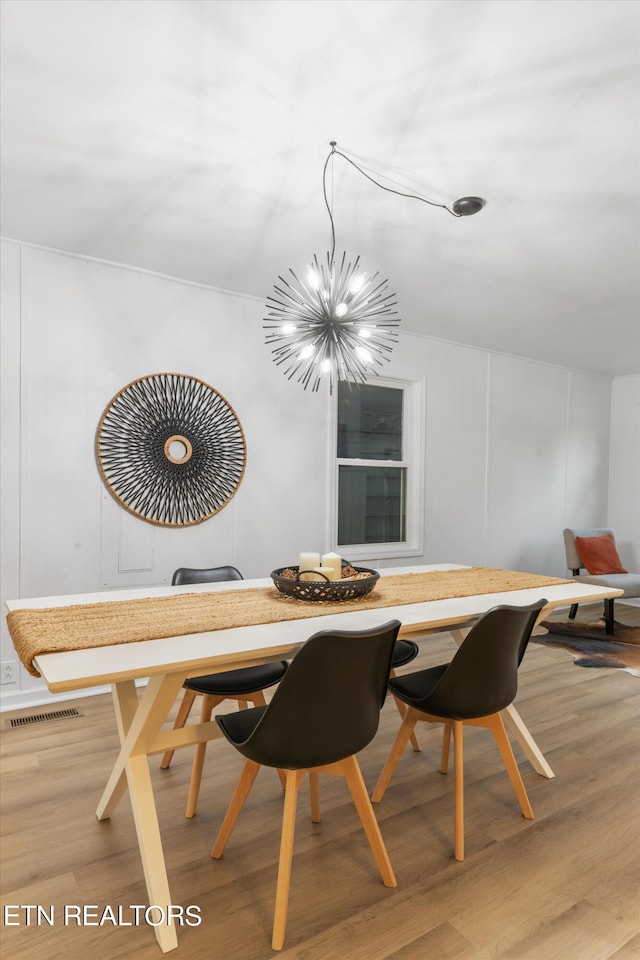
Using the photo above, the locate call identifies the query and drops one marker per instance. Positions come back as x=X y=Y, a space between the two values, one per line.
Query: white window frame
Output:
x=413 y=448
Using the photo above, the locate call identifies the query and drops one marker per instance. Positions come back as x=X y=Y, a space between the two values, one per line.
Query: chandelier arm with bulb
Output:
x=339 y=323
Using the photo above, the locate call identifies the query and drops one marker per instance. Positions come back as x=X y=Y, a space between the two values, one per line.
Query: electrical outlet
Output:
x=9 y=671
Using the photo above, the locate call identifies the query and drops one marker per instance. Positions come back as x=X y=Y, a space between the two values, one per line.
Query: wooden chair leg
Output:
x=458 y=767
x=497 y=727
x=181 y=718
x=446 y=743
x=402 y=709
x=358 y=790
x=407 y=727
x=314 y=790
x=240 y=794
x=294 y=779
x=208 y=703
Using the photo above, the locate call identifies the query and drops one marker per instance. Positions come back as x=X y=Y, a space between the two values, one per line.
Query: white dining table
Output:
x=166 y=663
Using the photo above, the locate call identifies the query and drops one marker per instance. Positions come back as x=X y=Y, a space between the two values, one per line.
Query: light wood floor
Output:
x=561 y=887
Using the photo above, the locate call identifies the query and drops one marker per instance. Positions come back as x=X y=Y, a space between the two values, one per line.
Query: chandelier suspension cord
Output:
x=326 y=199
x=399 y=193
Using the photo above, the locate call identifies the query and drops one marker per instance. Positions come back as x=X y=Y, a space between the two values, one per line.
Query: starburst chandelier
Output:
x=338 y=322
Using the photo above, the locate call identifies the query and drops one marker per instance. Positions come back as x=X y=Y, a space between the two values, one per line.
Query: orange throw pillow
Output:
x=599 y=555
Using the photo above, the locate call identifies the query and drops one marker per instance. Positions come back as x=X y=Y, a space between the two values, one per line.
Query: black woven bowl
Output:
x=323 y=589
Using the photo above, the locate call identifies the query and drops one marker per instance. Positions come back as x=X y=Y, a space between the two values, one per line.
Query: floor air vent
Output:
x=41 y=717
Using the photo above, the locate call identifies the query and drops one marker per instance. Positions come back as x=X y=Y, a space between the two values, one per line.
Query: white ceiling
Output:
x=188 y=137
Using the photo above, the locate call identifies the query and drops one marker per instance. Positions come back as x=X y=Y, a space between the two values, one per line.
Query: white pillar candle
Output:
x=318 y=573
x=308 y=561
x=332 y=564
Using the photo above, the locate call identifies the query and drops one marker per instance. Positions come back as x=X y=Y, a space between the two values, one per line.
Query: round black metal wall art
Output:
x=171 y=449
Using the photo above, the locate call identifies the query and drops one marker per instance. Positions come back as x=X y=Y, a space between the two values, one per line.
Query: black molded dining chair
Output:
x=325 y=710
x=245 y=685
x=480 y=681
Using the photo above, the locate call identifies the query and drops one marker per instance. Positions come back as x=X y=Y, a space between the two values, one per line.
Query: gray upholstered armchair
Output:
x=629 y=582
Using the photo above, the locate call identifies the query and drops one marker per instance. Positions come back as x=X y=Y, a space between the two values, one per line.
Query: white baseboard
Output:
x=25 y=699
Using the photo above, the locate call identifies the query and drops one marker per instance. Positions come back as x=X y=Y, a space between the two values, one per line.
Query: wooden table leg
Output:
x=139 y=730
x=521 y=733
x=150 y=844
x=125 y=703
x=138 y=726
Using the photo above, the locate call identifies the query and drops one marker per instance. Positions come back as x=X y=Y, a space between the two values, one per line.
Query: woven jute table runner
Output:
x=57 y=629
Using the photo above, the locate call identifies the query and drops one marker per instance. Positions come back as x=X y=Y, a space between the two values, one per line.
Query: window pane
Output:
x=371 y=504
x=369 y=422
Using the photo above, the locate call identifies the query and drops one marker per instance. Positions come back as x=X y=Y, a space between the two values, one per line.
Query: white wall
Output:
x=515 y=450
x=624 y=477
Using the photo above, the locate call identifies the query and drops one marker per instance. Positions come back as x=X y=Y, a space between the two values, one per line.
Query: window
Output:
x=378 y=475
